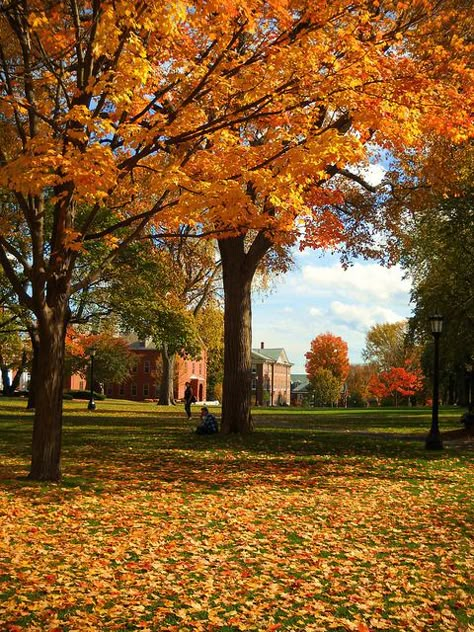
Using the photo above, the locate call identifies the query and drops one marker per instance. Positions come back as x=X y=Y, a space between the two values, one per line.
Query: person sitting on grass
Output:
x=208 y=423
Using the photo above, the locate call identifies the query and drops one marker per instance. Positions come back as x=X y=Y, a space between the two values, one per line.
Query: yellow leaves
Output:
x=107 y=34
x=72 y=240
x=111 y=241
x=176 y=12
x=211 y=110
x=33 y=171
x=36 y=20
x=290 y=543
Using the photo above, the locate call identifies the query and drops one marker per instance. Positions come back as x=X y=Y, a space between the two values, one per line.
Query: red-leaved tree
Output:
x=328 y=352
x=395 y=382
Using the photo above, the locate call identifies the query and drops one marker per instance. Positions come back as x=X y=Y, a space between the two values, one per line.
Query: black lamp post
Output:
x=470 y=384
x=91 y=404
x=433 y=440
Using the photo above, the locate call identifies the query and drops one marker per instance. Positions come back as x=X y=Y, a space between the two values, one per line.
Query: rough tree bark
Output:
x=49 y=379
x=238 y=269
x=167 y=378
x=34 y=367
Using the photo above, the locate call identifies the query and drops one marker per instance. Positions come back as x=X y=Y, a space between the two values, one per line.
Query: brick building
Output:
x=144 y=380
x=271 y=377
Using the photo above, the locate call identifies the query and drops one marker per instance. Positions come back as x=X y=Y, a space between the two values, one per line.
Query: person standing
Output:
x=188 y=399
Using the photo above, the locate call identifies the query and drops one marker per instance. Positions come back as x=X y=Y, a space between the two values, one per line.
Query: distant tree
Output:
x=385 y=345
x=210 y=323
x=112 y=362
x=326 y=388
x=14 y=357
x=396 y=382
x=358 y=384
x=328 y=352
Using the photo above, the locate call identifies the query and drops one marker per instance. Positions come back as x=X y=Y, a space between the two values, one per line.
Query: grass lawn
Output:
x=320 y=520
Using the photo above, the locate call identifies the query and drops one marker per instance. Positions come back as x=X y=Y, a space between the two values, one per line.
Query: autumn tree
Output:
x=210 y=322
x=386 y=345
x=395 y=382
x=328 y=352
x=439 y=257
x=246 y=115
x=113 y=360
x=14 y=351
x=326 y=388
x=357 y=383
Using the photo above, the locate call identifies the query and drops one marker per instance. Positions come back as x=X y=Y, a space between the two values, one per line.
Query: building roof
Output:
x=142 y=345
x=299 y=378
x=300 y=388
x=272 y=356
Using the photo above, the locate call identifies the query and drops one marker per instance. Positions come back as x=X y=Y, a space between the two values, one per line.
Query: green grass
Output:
x=320 y=520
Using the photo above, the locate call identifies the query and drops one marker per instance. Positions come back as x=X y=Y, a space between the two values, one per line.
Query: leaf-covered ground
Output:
x=329 y=521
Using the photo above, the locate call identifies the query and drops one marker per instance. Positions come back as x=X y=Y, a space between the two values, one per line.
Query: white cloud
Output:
x=321 y=297
x=363 y=316
x=364 y=283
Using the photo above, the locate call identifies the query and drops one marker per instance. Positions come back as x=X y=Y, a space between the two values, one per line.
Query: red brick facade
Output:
x=144 y=380
x=271 y=377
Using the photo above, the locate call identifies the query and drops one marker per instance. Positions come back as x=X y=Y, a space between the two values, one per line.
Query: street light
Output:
x=91 y=404
x=433 y=440
x=470 y=382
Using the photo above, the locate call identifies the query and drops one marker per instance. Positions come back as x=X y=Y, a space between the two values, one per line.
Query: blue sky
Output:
x=319 y=296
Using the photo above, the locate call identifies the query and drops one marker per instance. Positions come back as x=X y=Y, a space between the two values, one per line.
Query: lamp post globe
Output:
x=91 y=405
x=433 y=440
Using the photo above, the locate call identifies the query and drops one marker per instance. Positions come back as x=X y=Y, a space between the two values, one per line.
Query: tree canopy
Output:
x=386 y=345
x=226 y=117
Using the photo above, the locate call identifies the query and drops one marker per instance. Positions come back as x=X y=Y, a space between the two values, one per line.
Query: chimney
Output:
x=262 y=345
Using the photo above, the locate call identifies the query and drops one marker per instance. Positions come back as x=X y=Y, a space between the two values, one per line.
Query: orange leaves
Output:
x=396 y=381
x=151 y=534
x=225 y=90
x=328 y=352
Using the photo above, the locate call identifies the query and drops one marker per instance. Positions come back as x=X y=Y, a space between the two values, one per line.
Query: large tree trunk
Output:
x=35 y=346
x=49 y=380
x=238 y=270
x=167 y=377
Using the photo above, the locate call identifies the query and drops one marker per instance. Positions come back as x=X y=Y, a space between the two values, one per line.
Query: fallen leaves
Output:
x=190 y=540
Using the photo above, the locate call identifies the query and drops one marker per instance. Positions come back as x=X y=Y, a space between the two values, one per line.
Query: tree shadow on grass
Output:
x=143 y=450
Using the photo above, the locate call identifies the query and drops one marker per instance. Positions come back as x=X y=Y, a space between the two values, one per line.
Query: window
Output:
x=82 y=386
x=110 y=389
x=146 y=366
x=134 y=367
x=146 y=390
x=122 y=389
x=134 y=390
